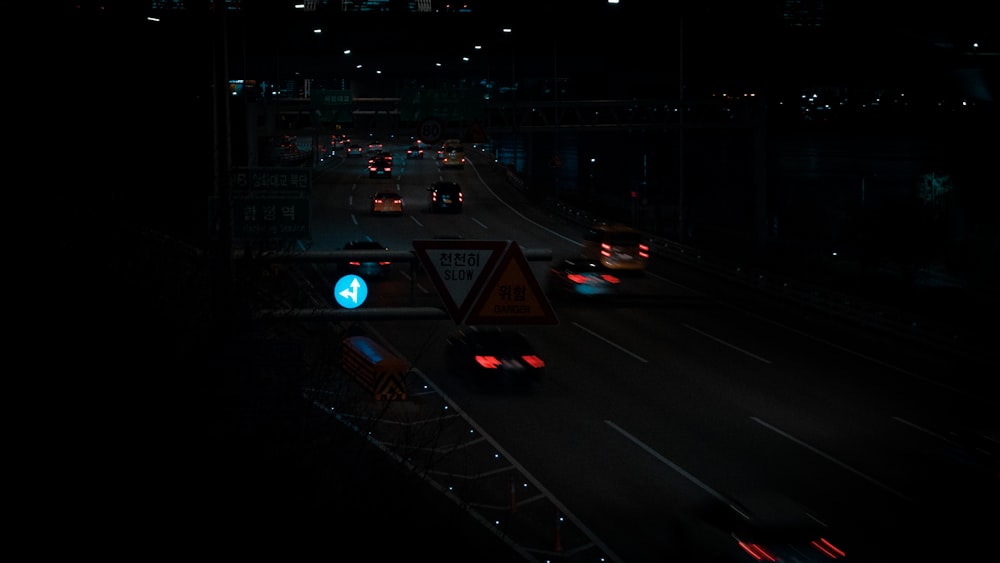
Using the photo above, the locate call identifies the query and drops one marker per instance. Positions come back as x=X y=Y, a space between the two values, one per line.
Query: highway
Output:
x=682 y=389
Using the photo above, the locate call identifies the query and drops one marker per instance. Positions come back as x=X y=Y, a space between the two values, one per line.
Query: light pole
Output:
x=680 y=130
x=513 y=98
x=555 y=136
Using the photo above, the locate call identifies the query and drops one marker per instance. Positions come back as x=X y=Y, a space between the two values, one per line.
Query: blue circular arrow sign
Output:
x=350 y=291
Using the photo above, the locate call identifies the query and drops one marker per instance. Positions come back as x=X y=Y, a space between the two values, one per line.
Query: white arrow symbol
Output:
x=351 y=293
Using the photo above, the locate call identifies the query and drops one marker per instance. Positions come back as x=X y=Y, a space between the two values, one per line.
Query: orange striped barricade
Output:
x=375 y=368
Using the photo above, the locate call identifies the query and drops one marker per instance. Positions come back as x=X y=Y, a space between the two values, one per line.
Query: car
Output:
x=387 y=202
x=616 y=246
x=354 y=149
x=494 y=357
x=582 y=277
x=757 y=525
x=379 y=167
x=414 y=151
x=446 y=196
x=453 y=154
x=374 y=147
x=339 y=140
x=368 y=264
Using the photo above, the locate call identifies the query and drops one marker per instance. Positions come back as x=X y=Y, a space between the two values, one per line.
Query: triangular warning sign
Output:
x=512 y=295
x=458 y=269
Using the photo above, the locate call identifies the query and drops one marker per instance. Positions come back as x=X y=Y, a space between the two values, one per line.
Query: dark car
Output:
x=494 y=357
x=387 y=202
x=369 y=263
x=354 y=149
x=581 y=277
x=758 y=526
x=379 y=167
x=414 y=151
x=446 y=196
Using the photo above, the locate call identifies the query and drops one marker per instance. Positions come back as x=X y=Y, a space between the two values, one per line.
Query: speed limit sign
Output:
x=430 y=130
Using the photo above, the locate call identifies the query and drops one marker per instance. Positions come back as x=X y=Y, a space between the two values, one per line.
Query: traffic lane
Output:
x=794 y=394
x=652 y=415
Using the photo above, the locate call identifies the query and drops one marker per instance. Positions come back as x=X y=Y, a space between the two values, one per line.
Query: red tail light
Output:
x=488 y=362
x=828 y=549
x=644 y=251
x=757 y=552
x=533 y=361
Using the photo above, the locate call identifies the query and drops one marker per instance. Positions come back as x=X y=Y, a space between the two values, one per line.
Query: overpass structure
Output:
x=536 y=116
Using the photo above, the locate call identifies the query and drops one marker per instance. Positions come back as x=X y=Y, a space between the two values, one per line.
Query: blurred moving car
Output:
x=446 y=196
x=414 y=151
x=387 y=202
x=368 y=264
x=581 y=277
x=379 y=167
x=494 y=357
x=758 y=526
x=354 y=149
x=374 y=147
x=616 y=246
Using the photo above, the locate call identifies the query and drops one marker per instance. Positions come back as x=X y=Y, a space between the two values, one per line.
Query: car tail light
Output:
x=610 y=278
x=757 y=551
x=605 y=249
x=577 y=278
x=644 y=251
x=828 y=549
x=488 y=362
x=534 y=361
